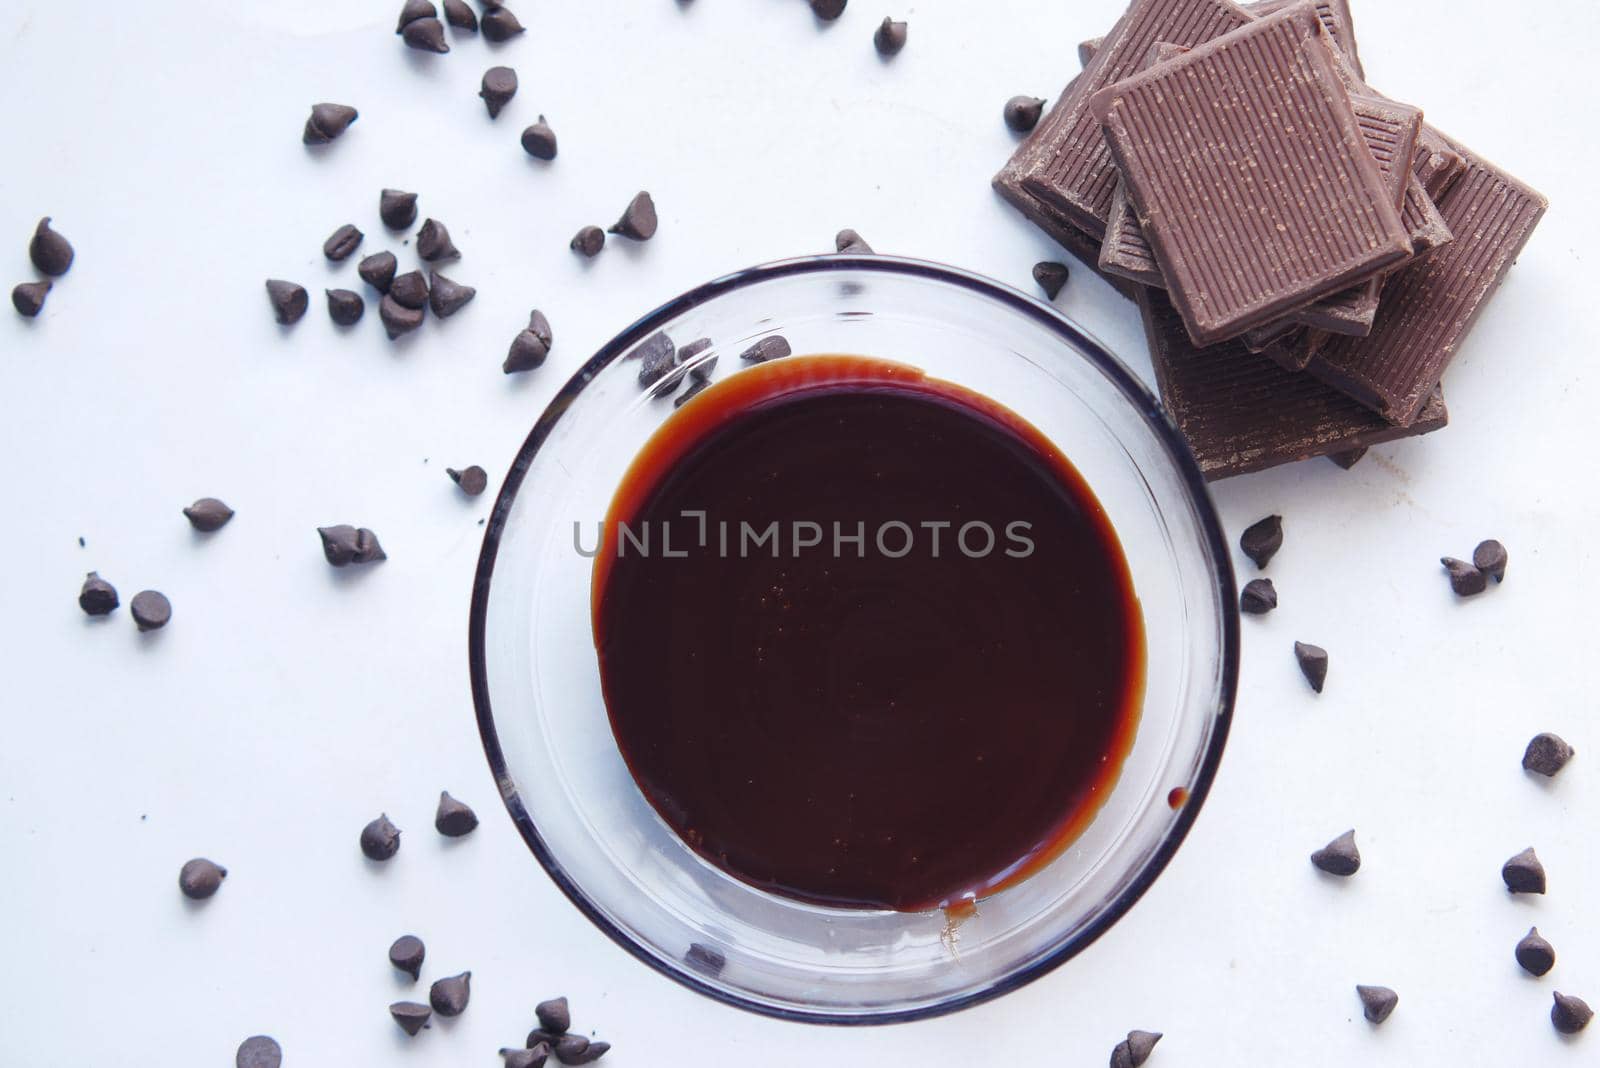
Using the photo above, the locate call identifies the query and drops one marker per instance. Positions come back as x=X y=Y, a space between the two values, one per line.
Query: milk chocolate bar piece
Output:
x=1087 y=49
x=1241 y=413
x=1437 y=164
x=1249 y=172
x=1335 y=17
x=1431 y=305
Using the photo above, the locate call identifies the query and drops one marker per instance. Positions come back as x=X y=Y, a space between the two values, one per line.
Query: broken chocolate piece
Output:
x=499 y=86
x=1262 y=539
x=50 y=252
x=1022 y=112
x=200 y=878
x=1490 y=558
x=97 y=597
x=1570 y=1014
x=208 y=514
x=1339 y=857
x=638 y=222
x=1313 y=661
x=406 y=953
x=1523 y=874
x=380 y=839
x=289 y=301
x=1465 y=580
x=530 y=347
x=1051 y=277
x=410 y=1015
x=449 y=996
x=397 y=208
x=1546 y=754
x=377 y=270
x=771 y=347
x=452 y=818
x=1349 y=458
x=1258 y=597
x=1134 y=1050
x=1377 y=1002
x=1534 y=954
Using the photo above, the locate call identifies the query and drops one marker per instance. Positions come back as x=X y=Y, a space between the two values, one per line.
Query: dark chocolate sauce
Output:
x=841 y=723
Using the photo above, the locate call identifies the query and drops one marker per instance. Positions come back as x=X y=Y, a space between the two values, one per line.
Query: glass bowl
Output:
x=536 y=686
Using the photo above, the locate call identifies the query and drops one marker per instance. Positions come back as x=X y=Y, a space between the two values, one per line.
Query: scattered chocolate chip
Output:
x=410 y=1015
x=540 y=1037
x=1339 y=857
x=208 y=514
x=499 y=86
x=570 y=1048
x=1570 y=1014
x=1313 y=660
x=499 y=24
x=446 y=297
x=827 y=10
x=377 y=270
x=425 y=35
x=398 y=319
x=704 y=958
x=410 y=290
x=1349 y=457
x=1022 y=112
x=345 y=306
x=407 y=953
x=1536 y=955
x=1258 y=597
x=1134 y=1050
x=533 y=1057
x=1261 y=540
x=539 y=140
x=1377 y=1002
x=49 y=251
x=1465 y=580
x=555 y=1016
x=696 y=386
x=472 y=480
x=98 y=597
x=258 y=1051
x=1490 y=558
x=433 y=242
x=530 y=347
x=771 y=347
x=397 y=208
x=592 y=1052
x=28 y=297
x=694 y=348
x=380 y=839
x=328 y=122
x=412 y=11
x=458 y=14
x=1523 y=873
x=150 y=609
x=200 y=878
x=289 y=301
x=588 y=241
x=341 y=243
x=449 y=996
x=454 y=819
x=849 y=241
x=639 y=222
x=345 y=544
x=656 y=355
x=1546 y=754
x=889 y=37
x=1051 y=277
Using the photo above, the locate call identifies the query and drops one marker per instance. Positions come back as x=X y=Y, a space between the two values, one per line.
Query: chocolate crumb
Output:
x=425 y=35
x=771 y=347
x=1262 y=539
x=555 y=1016
x=97 y=597
x=1313 y=661
x=327 y=122
x=344 y=545
x=1523 y=873
x=452 y=818
x=434 y=244
x=1022 y=112
x=1546 y=754
x=1134 y=1050
x=848 y=241
x=1490 y=558
x=1339 y=857
x=377 y=270
x=1377 y=1002
x=398 y=320
x=1570 y=1014
x=446 y=297
x=200 y=878
x=258 y=1051
x=380 y=839
x=406 y=953
x=345 y=306
x=1465 y=580
x=289 y=301
x=460 y=15
x=827 y=10
x=208 y=514
x=28 y=297
x=397 y=208
x=638 y=222
x=889 y=38
x=1534 y=954
x=530 y=347
x=410 y=1015
x=588 y=241
x=1051 y=277
x=1349 y=457
x=1258 y=597
x=539 y=140
x=499 y=24
x=472 y=480
x=499 y=86
x=150 y=609
x=449 y=996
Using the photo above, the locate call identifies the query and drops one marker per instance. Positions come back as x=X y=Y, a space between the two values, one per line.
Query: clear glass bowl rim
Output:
x=1132 y=389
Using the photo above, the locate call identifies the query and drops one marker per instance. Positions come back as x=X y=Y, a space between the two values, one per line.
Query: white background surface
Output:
x=287 y=704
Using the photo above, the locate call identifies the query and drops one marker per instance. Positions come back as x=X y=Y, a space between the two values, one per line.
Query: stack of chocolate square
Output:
x=1306 y=253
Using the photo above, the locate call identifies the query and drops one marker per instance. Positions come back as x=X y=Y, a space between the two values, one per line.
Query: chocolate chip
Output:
x=472 y=480
x=827 y=10
x=1523 y=873
x=150 y=609
x=499 y=86
x=1051 y=277
x=1465 y=580
x=1134 y=1050
x=341 y=243
x=345 y=544
x=703 y=369
x=328 y=122
x=345 y=306
x=849 y=241
x=530 y=347
x=398 y=319
x=533 y=1057
x=449 y=996
x=1348 y=458
x=208 y=514
x=410 y=290
x=407 y=953
x=638 y=223
x=1546 y=754
x=1339 y=857
x=258 y=1051
x=1313 y=661
x=1022 y=112
x=499 y=24
x=412 y=11
x=1377 y=1002
x=555 y=1016
x=704 y=958
x=540 y=1037
x=397 y=208
x=695 y=388
x=539 y=140
x=591 y=1053
x=889 y=37
x=1570 y=1014
x=410 y=1015
x=1536 y=955
x=446 y=297
x=289 y=301
x=771 y=347
x=1490 y=558
x=1258 y=597
x=425 y=35
x=200 y=878
x=458 y=14
x=98 y=597
x=377 y=270
x=569 y=1048
x=656 y=355
x=49 y=251
x=454 y=819
x=28 y=297
x=433 y=242
x=380 y=839
x=588 y=241
x=1262 y=539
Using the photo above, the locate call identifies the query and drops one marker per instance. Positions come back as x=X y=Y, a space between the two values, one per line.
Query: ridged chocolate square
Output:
x=1249 y=171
